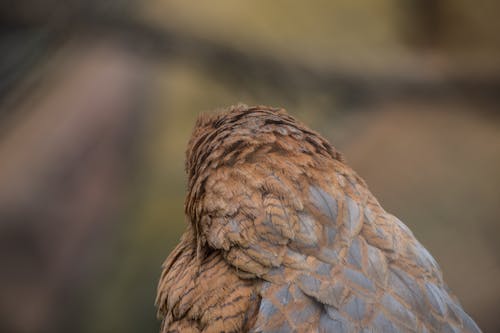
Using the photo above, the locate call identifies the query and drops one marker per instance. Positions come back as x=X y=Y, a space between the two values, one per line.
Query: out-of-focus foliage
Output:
x=98 y=99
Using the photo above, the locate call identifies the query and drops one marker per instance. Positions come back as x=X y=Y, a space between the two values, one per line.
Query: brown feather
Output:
x=285 y=236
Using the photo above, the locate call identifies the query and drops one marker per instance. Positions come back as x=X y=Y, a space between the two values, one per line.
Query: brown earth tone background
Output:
x=97 y=102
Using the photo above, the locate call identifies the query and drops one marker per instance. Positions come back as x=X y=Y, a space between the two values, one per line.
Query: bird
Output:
x=283 y=236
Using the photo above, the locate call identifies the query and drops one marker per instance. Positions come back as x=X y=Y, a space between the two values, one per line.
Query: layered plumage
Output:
x=284 y=236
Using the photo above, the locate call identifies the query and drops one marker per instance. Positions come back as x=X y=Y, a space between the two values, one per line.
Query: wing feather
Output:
x=328 y=251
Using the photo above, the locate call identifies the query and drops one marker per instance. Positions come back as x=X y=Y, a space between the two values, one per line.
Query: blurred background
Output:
x=98 y=99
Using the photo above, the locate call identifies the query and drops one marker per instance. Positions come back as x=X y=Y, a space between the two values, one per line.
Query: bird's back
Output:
x=285 y=237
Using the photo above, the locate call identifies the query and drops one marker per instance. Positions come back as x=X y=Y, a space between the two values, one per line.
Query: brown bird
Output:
x=284 y=236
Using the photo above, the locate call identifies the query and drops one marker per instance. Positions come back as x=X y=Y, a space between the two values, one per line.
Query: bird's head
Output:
x=214 y=128
x=243 y=134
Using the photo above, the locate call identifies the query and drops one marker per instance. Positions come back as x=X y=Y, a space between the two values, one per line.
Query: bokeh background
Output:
x=98 y=98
